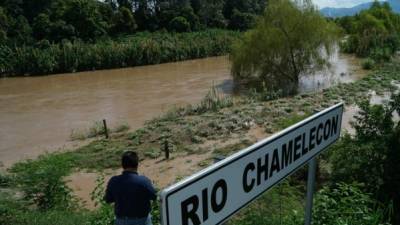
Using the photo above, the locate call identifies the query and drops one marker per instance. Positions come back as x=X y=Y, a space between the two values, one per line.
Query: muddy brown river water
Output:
x=37 y=114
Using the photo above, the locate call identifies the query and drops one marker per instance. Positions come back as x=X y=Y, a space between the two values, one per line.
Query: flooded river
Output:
x=37 y=114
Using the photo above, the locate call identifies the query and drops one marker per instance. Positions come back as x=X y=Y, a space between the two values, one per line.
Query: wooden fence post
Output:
x=105 y=128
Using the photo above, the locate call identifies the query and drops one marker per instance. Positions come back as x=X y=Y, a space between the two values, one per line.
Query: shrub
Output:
x=368 y=64
x=41 y=181
x=372 y=155
x=346 y=204
x=5 y=180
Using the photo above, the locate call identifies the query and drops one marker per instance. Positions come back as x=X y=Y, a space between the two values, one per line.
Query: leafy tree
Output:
x=85 y=18
x=210 y=13
x=168 y=11
x=125 y=4
x=20 y=31
x=3 y=25
x=242 y=21
x=255 y=7
x=144 y=16
x=124 y=22
x=179 y=24
x=287 y=42
x=42 y=26
x=35 y=7
x=373 y=32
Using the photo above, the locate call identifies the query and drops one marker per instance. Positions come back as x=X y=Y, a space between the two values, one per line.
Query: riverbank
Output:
x=140 y=49
x=63 y=108
x=217 y=126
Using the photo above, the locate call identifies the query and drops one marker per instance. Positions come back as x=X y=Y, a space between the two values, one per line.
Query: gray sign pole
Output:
x=312 y=168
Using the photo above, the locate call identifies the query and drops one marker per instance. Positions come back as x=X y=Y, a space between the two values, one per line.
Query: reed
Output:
x=141 y=49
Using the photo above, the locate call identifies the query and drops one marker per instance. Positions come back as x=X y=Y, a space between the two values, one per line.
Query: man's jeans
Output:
x=128 y=221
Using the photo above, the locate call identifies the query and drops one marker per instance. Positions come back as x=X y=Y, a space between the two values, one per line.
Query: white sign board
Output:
x=213 y=195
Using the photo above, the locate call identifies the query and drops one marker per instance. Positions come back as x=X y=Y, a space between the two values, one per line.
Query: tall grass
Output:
x=141 y=49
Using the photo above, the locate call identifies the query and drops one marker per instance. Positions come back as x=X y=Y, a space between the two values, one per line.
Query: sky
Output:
x=339 y=3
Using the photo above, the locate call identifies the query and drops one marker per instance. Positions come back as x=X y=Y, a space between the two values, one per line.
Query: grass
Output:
x=230 y=149
x=96 y=130
x=283 y=123
x=283 y=204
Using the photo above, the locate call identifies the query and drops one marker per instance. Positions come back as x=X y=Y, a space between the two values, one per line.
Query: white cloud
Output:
x=339 y=3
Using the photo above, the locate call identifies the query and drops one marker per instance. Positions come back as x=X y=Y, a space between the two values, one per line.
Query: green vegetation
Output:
x=25 y=22
x=372 y=33
x=59 y=36
x=372 y=155
x=368 y=64
x=289 y=40
x=140 y=49
x=96 y=130
x=188 y=128
x=281 y=205
x=347 y=204
x=359 y=174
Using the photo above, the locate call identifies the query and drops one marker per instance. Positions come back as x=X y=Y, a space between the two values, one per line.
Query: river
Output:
x=37 y=114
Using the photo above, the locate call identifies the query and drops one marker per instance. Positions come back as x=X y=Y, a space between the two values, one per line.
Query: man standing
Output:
x=131 y=193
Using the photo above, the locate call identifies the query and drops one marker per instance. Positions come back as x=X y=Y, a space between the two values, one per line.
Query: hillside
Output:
x=339 y=12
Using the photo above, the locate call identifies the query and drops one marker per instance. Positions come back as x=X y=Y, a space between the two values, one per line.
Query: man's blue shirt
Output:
x=131 y=194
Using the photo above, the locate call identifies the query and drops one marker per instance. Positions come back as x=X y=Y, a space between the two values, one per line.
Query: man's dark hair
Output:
x=130 y=160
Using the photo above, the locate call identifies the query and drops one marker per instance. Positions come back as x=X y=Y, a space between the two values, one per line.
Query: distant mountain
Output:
x=339 y=12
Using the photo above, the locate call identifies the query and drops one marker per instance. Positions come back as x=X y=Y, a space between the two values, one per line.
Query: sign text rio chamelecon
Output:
x=214 y=194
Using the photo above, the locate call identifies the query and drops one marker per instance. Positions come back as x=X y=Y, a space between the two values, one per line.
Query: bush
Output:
x=346 y=204
x=179 y=24
x=372 y=155
x=42 y=184
x=368 y=64
x=5 y=180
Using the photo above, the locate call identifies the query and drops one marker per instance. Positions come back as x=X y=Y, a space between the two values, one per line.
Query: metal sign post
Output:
x=218 y=192
x=312 y=168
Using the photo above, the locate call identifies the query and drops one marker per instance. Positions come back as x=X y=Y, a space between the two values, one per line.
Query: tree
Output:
x=255 y=7
x=373 y=33
x=124 y=22
x=179 y=24
x=210 y=13
x=144 y=15
x=288 y=41
x=3 y=25
x=41 y=26
x=20 y=31
x=168 y=11
x=242 y=21
x=86 y=19
x=125 y=3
